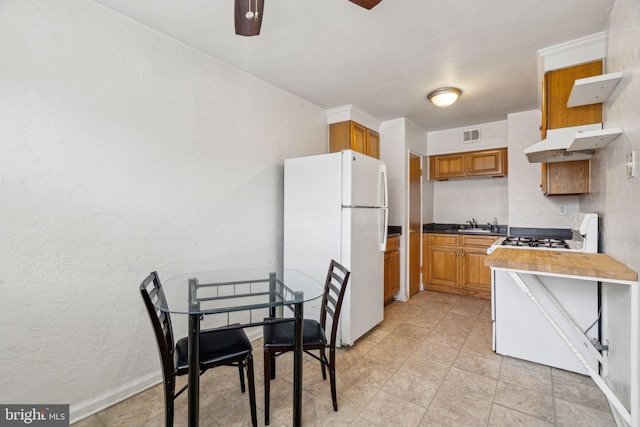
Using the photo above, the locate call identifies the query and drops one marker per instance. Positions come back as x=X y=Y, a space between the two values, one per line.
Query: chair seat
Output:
x=281 y=334
x=216 y=347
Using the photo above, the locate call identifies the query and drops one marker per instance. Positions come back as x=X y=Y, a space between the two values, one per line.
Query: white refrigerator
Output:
x=335 y=207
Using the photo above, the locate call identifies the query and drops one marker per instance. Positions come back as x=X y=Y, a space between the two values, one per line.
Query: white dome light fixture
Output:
x=444 y=96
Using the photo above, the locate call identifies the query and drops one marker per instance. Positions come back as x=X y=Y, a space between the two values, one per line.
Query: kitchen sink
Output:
x=474 y=230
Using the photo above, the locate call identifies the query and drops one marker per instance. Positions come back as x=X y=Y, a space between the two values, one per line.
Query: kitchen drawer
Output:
x=442 y=239
x=483 y=241
x=393 y=244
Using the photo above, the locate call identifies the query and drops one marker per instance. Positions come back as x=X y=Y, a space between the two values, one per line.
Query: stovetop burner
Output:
x=535 y=242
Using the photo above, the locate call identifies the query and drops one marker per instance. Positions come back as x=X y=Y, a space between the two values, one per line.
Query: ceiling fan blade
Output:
x=367 y=4
x=248 y=26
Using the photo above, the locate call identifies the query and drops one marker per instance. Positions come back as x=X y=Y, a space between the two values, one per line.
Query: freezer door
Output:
x=364 y=180
x=363 y=306
x=312 y=213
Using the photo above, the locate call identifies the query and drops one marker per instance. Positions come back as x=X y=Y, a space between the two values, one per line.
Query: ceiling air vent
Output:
x=472 y=135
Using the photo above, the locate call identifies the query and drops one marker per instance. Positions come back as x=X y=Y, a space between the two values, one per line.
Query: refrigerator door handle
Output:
x=385 y=206
x=383 y=184
x=385 y=228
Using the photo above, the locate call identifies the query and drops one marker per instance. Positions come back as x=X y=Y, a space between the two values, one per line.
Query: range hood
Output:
x=571 y=143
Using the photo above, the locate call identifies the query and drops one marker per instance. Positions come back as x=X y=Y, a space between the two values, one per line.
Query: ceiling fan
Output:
x=248 y=14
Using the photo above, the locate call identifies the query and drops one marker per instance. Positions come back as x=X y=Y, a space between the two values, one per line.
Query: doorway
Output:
x=415 y=222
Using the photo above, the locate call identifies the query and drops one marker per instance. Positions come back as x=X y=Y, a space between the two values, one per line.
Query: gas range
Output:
x=584 y=238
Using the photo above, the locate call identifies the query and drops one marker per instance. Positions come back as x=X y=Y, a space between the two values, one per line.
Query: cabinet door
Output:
x=558 y=86
x=448 y=166
x=476 y=277
x=443 y=266
x=358 y=138
x=488 y=162
x=565 y=178
x=391 y=274
x=372 y=144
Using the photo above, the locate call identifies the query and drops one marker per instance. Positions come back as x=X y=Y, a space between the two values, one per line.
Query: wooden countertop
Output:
x=598 y=266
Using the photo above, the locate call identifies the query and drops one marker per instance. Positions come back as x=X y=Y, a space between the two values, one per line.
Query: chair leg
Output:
x=241 y=369
x=273 y=366
x=332 y=379
x=252 y=391
x=267 y=381
x=169 y=390
x=323 y=357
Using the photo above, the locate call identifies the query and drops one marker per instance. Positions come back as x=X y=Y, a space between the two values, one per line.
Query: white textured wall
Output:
x=121 y=152
x=528 y=207
x=615 y=197
x=492 y=135
x=458 y=200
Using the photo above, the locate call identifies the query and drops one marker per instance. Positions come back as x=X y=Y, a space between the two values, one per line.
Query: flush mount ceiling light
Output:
x=444 y=96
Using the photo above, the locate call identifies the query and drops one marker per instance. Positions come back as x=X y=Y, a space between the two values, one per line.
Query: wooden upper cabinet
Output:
x=557 y=89
x=350 y=135
x=448 y=166
x=373 y=144
x=486 y=163
x=564 y=178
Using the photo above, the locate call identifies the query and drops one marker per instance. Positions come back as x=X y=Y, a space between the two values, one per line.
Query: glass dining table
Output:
x=239 y=299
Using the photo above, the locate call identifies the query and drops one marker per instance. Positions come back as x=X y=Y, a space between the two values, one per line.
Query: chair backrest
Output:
x=152 y=292
x=334 y=288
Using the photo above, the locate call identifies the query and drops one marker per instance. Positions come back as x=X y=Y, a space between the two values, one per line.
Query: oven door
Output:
x=521 y=331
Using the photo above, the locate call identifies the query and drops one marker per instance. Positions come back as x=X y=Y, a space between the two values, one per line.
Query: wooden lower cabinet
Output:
x=455 y=264
x=392 y=268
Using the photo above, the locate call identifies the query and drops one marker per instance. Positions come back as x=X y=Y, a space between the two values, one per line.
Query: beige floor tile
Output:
x=472 y=362
x=571 y=414
x=585 y=394
x=436 y=352
x=465 y=384
x=92 y=421
x=481 y=347
x=534 y=379
x=424 y=369
x=506 y=417
x=135 y=410
x=388 y=410
x=411 y=388
x=539 y=405
x=457 y=410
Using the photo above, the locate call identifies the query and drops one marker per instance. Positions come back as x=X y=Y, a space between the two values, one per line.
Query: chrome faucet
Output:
x=473 y=223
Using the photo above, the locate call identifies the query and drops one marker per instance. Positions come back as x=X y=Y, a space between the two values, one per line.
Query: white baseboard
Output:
x=84 y=409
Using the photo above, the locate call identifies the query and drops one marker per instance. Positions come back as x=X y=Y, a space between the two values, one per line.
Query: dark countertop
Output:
x=459 y=229
x=394 y=231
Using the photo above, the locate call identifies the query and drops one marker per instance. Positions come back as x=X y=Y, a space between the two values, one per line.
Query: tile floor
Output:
x=428 y=364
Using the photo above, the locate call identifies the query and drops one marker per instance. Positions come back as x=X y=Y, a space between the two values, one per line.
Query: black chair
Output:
x=218 y=347
x=279 y=336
